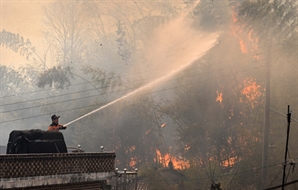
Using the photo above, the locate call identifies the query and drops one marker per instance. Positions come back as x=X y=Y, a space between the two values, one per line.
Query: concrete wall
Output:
x=38 y=181
x=40 y=170
x=2 y=149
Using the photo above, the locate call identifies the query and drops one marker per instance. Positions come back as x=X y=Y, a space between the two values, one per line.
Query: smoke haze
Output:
x=157 y=81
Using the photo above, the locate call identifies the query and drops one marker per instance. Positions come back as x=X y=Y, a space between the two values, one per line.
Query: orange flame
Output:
x=229 y=162
x=147 y=132
x=236 y=31
x=187 y=147
x=178 y=163
x=133 y=162
x=132 y=148
x=219 y=97
x=251 y=91
x=234 y=17
x=242 y=45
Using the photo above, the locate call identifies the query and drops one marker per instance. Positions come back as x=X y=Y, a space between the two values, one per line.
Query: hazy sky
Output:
x=23 y=18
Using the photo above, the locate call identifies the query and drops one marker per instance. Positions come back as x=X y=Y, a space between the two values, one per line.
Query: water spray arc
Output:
x=178 y=47
x=137 y=90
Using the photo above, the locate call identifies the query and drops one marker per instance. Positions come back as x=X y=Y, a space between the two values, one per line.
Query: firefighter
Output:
x=55 y=126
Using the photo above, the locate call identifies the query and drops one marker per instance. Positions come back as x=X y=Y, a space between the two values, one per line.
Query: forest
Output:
x=201 y=88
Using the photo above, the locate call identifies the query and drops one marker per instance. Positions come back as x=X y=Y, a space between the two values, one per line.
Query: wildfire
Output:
x=132 y=162
x=178 y=163
x=251 y=88
x=242 y=45
x=219 y=97
x=229 y=162
x=234 y=17
x=132 y=148
x=187 y=147
x=147 y=132
x=237 y=32
x=251 y=91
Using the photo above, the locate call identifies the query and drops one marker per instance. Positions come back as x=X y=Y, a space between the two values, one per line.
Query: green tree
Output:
x=11 y=81
x=211 y=16
x=216 y=119
x=55 y=77
x=52 y=77
x=275 y=23
x=16 y=43
x=135 y=21
x=71 y=30
x=125 y=129
x=129 y=128
x=65 y=29
x=271 y=20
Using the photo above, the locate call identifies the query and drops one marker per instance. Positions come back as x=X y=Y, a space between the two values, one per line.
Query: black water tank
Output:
x=35 y=141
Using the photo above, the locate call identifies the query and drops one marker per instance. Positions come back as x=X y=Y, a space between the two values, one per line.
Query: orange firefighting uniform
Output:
x=55 y=127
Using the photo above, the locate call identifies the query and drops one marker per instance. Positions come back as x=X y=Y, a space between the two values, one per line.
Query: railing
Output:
x=28 y=165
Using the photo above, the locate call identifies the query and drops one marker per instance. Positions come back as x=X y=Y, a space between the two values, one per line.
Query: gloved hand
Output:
x=62 y=127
